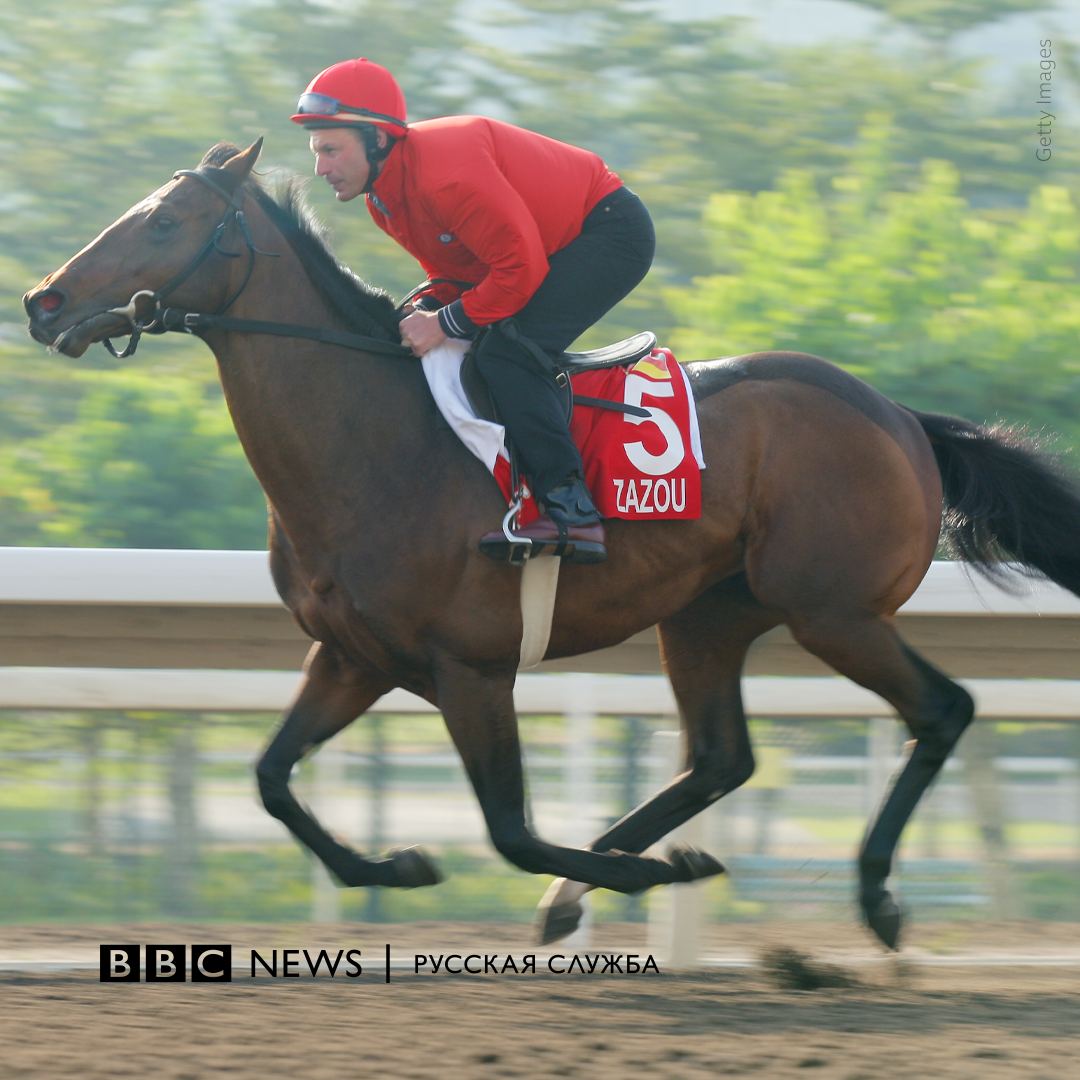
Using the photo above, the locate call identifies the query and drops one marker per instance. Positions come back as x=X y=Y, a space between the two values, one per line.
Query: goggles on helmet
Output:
x=312 y=104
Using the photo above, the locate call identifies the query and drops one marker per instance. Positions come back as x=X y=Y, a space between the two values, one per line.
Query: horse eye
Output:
x=162 y=224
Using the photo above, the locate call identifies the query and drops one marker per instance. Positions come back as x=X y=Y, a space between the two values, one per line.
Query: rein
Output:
x=192 y=322
x=162 y=319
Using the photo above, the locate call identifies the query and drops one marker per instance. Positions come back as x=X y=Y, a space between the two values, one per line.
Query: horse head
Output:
x=163 y=247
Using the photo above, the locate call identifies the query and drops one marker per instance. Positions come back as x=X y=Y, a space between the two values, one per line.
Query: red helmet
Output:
x=353 y=92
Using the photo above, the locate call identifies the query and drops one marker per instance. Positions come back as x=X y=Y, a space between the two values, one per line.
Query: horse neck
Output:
x=317 y=421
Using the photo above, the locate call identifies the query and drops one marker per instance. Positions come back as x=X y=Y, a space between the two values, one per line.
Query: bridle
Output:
x=160 y=319
x=155 y=322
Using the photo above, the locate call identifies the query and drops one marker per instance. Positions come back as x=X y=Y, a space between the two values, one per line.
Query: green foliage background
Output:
x=876 y=201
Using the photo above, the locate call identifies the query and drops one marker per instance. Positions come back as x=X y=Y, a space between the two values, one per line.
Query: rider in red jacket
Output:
x=528 y=231
x=482 y=201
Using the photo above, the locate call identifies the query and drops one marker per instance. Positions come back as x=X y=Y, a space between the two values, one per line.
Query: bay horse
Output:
x=823 y=505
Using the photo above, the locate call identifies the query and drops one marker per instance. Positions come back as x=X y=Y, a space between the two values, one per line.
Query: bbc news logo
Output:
x=165 y=963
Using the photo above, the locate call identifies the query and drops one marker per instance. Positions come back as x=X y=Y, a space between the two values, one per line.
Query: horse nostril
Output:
x=45 y=305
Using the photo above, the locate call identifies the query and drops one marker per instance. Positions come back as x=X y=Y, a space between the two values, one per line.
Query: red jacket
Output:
x=484 y=202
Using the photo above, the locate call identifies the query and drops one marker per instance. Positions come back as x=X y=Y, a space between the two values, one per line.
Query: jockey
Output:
x=548 y=236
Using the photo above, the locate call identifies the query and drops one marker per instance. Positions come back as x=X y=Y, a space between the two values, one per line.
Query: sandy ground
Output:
x=903 y=1018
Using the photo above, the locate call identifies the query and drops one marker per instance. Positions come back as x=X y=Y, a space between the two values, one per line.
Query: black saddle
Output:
x=562 y=365
x=626 y=351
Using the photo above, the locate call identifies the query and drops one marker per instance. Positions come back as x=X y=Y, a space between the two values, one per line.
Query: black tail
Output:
x=1005 y=499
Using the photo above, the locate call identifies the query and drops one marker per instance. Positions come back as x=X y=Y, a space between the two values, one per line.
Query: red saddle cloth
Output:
x=642 y=468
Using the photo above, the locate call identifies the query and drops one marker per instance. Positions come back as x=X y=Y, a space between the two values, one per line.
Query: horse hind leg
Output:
x=334 y=694
x=704 y=647
x=936 y=710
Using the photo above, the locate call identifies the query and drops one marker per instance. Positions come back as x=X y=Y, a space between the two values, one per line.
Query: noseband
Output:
x=155 y=322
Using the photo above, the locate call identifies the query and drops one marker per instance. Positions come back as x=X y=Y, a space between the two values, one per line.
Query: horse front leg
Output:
x=479 y=713
x=334 y=694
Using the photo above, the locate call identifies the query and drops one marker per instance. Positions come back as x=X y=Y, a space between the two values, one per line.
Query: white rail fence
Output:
x=126 y=630
x=75 y=608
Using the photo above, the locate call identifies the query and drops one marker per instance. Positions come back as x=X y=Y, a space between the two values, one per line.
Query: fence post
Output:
x=634 y=735
x=579 y=779
x=327 y=780
x=181 y=782
x=676 y=913
x=1076 y=790
x=379 y=769
x=978 y=755
x=881 y=760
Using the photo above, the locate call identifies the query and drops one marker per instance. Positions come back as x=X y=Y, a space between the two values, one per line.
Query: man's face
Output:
x=341 y=159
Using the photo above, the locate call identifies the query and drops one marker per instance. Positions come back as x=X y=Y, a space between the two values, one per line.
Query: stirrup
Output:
x=520 y=549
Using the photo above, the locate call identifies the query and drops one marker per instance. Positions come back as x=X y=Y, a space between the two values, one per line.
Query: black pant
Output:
x=586 y=279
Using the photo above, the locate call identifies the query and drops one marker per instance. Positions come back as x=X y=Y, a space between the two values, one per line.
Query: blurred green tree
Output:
x=940 y=20
x=939 y=304
x=148 y=462
x=102 y=103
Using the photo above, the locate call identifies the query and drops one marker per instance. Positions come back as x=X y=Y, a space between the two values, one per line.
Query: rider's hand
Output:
x=421 y=331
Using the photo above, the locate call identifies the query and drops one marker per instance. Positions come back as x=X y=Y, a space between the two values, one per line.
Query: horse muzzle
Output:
x=75 y=339
x=46 y=308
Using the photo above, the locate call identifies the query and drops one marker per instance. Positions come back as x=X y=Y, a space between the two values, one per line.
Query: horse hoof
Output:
x=413 y=868
x=558 y=921
x=692 y=864
x=885 y=920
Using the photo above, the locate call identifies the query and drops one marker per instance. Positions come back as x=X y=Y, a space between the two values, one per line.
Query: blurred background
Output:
x=854 y=178
x=153 y=816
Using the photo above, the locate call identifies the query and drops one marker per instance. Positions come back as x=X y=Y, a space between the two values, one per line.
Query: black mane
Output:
x=364 y=308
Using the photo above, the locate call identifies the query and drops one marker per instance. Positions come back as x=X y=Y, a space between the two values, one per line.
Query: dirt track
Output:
x=902 y=1020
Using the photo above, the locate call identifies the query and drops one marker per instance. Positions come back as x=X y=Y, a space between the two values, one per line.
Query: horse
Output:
x=822 y=510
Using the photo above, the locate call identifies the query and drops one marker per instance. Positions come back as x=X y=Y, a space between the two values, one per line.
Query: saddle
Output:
x=561 y=366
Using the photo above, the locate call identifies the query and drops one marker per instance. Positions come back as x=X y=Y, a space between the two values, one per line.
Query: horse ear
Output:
x=240 y=165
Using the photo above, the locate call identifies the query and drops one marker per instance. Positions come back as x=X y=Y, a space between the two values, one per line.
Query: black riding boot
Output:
x=571 y=528
x=571 y=503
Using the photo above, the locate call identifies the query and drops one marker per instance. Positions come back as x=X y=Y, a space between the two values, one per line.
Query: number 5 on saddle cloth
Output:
x=642 y=457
